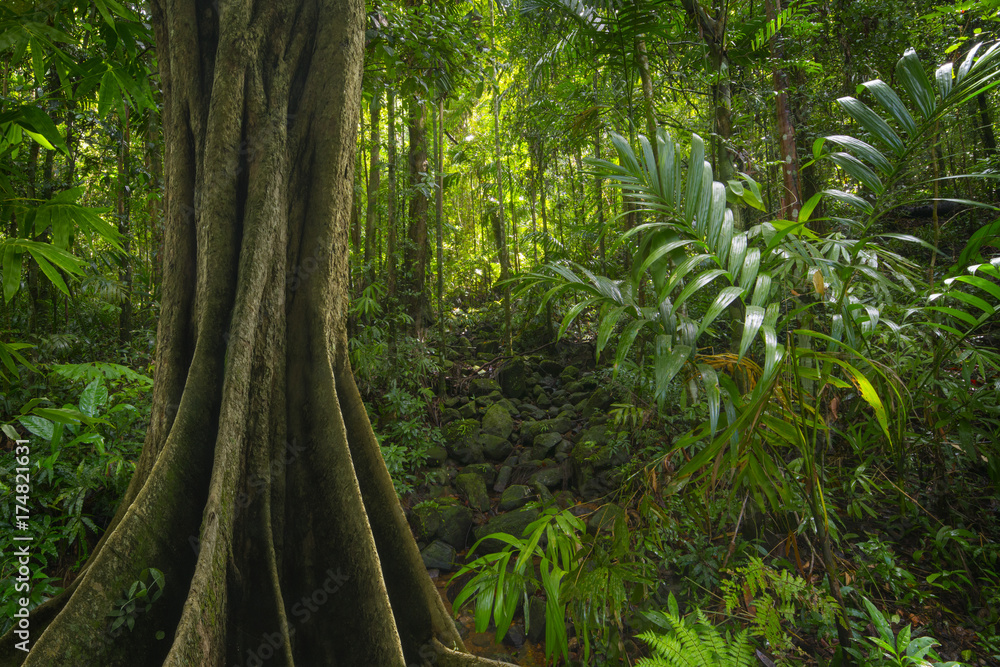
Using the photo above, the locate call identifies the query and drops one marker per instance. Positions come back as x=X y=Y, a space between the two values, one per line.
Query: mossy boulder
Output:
x=544 y=444
x=532 y=429
x=597 y=403
x=514 y=497
x=513 y=378
x=425 y=521
x=569 y=374
x=483 y=386
x=484 y=470
x=439 y=555
x=494 y=447
x=473 y=488
x=456 y=522
x=497 y=421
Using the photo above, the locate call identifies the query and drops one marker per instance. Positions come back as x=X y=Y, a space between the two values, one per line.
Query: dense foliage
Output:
x=775 y=227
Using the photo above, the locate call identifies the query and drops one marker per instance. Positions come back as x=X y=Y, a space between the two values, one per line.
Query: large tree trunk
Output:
x=791 y=194
x=260 y=494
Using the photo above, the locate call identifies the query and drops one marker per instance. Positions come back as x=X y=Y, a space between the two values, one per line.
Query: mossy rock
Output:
x=456 y=522
x=439 y=555
x=569 y=374
x=513 y=378
x=598 y=402
x=544 y=443
x=550 y=367
x=532 y=429
x=497 y=421
x=483 y=386
x=550 y=477
x=515 y=497
x=425 y=521
x=484 y=470
x=494 y=447
x=472 y=486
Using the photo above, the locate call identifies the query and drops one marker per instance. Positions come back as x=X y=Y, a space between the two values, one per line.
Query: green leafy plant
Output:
x=890 y=649
x=697 y=644
x=778 y=603
x=137 y=599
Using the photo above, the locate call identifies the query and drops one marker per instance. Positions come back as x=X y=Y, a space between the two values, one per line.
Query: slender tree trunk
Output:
x=124 y=228
x=390 y=249
x=260 y=493
x=500 y=228
x=791 y=194
x=373 y=185
x=439 y=226
x=415 y=257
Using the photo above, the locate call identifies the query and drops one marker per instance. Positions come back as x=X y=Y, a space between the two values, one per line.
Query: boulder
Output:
x=543 y=444
x=438 y=555
x=436 y=455
x=550 y=477
x=536 y=619
x=503 y=478
x=513 y=378
x=425 y=521
x=495 y=447
x=604 y=518
x=484 y=470
x=515 y=496
x=497 y=421
x=456 y=521
x=550 y=367
x=569 y=374
x=598 y=403
x=483 y=386
x=473 y=488
x=532 y=429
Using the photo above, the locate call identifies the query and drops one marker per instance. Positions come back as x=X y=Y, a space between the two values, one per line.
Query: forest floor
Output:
x=546 y=428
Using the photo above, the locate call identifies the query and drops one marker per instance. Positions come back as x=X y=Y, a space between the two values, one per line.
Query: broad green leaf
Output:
x=695 y=182
x=862 y=149
x=752 y=320
x=711 y=382
x=93 y=398
x=944 y=80
x=873 y=123
x=911 y=74
x=859 y=170
x=39 y=426
x=890 y=101
x=11 y=271
x=725 y=297
x=697 y=284
x=668 y=362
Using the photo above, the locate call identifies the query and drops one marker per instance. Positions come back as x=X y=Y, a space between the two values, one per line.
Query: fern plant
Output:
x=697 y=644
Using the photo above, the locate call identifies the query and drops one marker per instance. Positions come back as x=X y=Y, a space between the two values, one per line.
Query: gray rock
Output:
x=531 y=430
x=514 y=497
x=484 y=470
x=456 y=522
x=544 y=443
x=473 y=488
x=439 y=555
x=495 y=447
x=515 y=635
x=503 y=478
x=512 y=377
x=497 y=421
x=550 y=477
x=543 y=401
x=425 y=521
x=569 y=374
x=483 y=386
x=595 y=434
x=536 y=619
x=544 y=495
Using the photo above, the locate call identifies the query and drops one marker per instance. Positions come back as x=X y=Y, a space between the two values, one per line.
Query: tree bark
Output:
x=791 y=193
x=415 y=257
x=260 y=493
x=373 y=185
